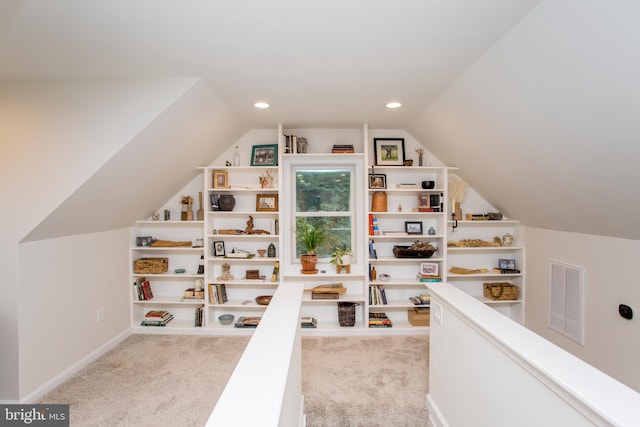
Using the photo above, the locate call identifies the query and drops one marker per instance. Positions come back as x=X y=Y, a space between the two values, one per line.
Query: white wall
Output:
x=611 y=342
x=64 y=282
x=53 y=136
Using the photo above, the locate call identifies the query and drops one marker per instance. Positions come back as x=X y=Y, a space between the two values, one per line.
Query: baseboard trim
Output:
x=435 y=416
x=73 y=370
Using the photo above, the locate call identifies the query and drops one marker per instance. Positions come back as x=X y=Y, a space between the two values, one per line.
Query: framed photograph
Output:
x=264 y=155
x=429 y=268
x=424 y=202
x=507 y=264
x=377 y=180
x=388 y=151
x=220 y=179
x=413 y=227
x=218 y=248
x=267 y=202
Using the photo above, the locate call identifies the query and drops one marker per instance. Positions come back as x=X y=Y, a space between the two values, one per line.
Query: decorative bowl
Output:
x=264 y=299
x=225 y=319
x=384 y=277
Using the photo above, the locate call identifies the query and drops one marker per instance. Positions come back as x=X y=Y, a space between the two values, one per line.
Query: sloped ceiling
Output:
x=534 y=100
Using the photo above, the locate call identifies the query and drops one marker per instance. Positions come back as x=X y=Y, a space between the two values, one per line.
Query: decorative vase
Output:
x=379 y=201
x=226 y=202
x=309 y=262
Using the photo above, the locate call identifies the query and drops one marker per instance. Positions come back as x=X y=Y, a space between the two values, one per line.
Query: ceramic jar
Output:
x=226 y=202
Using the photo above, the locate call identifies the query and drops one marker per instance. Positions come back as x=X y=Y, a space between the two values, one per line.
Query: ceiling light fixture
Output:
x=261 y=105
x=394 y=105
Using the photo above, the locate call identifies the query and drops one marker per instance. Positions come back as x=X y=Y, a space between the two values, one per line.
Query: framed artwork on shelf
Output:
x=506 y=264
x=264 y=155
x=423 y=201
x=377 y=180
x=218 y=248
x=388 y=151
x=220 y=179
x=429 y=268
x=267 y=202
x=413 y=227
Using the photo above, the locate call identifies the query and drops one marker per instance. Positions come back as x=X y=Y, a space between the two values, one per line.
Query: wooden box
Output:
x=151 y=265
x=419 y=317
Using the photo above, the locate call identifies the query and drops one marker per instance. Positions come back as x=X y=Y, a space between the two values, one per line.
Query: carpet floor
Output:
x=170 y=380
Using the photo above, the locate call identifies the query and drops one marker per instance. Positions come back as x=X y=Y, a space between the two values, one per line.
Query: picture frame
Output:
x=506 y=264
x=267 y=202
x=218 y=248
x=220 y=179
x=413 y=227
x=429 y=268
x=424 y=201
x=264 y=155
x=377 y=180
x=388 y=151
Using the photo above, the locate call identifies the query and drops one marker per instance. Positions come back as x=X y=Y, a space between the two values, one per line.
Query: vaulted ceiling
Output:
x=535 y=101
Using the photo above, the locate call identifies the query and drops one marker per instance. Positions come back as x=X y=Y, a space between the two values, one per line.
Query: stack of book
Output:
x=157 y=318
x=379 y=320
x=143 y=289
x=421 y=300
x=308 y=322
x=193 y=293
x=377 y=295
x=428 y=278
x=217 y=293
x=248 y=322
x=343 y=148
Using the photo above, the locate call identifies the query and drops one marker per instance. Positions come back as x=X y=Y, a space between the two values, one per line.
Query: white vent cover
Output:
x=566 y=301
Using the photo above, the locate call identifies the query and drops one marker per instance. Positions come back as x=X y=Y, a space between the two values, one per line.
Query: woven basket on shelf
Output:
x=347 y=313
x=150 y=265
x=500 y=291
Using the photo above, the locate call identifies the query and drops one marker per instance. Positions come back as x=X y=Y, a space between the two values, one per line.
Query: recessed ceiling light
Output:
x=394 y=105
x=261 y=105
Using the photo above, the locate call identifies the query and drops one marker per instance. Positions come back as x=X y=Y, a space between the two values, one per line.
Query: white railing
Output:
x=486 y=370
x=265 y=388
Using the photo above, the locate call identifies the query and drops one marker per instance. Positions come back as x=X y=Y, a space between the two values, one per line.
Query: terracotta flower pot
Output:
x=309 y=262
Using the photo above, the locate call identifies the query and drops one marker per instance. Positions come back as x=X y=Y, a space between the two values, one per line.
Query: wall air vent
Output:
x=566 y=300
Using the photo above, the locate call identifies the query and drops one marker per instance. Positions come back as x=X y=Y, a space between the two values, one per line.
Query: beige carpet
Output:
x=176 y=380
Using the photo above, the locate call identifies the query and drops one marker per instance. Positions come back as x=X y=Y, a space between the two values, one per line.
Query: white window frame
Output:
x=357 y=213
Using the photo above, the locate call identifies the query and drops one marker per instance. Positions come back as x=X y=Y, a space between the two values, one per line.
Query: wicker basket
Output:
x=500 y=291
x=150 y=265
x=347 y=313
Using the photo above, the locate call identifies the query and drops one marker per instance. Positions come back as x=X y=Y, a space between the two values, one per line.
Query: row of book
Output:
x=379 y=320
x=157 y=318
x=377 y=295
x=217 y=293
x=143 y=289
x=342 y=148
x=199 y=314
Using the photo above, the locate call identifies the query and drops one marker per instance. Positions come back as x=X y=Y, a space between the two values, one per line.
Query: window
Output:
x=323 y=198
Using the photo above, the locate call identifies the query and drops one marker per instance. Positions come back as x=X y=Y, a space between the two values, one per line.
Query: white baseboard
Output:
x=435 y=416
x=73 y=370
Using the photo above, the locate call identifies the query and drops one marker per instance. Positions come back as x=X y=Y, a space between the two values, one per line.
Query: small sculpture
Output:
x=266 y=180
x=187 y=210
x=226 y=272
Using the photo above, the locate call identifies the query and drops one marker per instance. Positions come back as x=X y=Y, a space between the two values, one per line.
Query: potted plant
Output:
x=312 y=238
x=341 y=258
